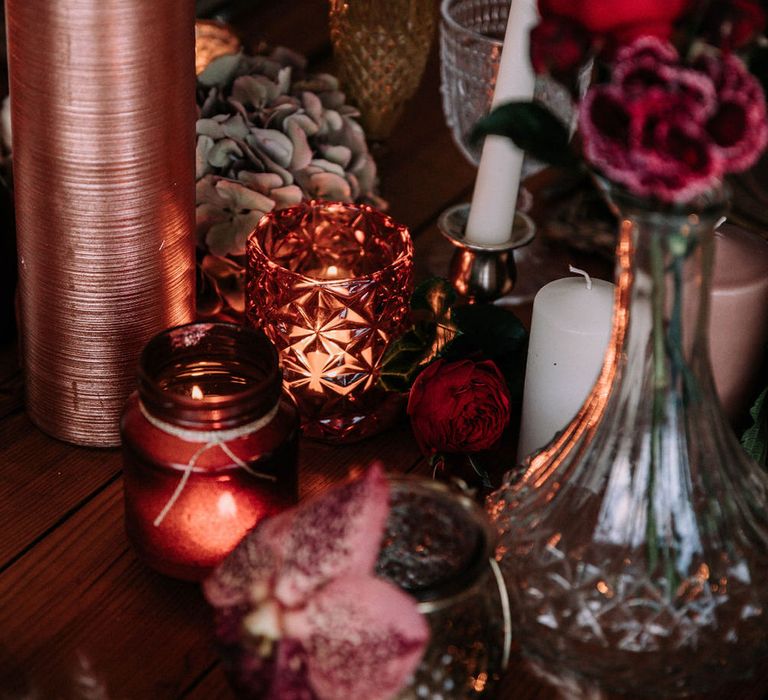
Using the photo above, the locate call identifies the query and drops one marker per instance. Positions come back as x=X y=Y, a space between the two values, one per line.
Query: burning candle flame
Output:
x=197 y=392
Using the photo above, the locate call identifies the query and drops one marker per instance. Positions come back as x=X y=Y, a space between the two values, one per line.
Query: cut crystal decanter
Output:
x=635 y=545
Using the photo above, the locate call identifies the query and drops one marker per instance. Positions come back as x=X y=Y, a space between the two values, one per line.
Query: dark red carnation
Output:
x=738 y=126
x=459 y=406
x=647 y=129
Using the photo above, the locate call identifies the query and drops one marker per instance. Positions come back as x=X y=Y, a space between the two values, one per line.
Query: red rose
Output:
x=458 y=406
x=559 y=47
x=620 y=21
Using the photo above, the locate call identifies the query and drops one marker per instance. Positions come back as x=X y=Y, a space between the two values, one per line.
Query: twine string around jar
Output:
x=208 y=440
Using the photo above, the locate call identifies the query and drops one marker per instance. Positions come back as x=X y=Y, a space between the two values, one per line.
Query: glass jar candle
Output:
x=209 y=446
x=330 y=285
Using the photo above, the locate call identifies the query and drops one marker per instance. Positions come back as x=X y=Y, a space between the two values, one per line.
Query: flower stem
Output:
x=660 y=383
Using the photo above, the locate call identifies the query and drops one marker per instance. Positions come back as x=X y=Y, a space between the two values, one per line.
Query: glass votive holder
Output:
x=438 y=547
x=330 y=284
x=471 y=39
x=209 y=446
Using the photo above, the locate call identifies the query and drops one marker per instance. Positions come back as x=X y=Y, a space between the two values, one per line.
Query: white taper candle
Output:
x=498 y=176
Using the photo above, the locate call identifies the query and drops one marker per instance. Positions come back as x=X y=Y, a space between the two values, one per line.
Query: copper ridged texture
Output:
x=103 y=114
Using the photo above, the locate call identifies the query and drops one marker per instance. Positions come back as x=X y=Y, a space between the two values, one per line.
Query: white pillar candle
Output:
x=570 y=328
x=492 y=211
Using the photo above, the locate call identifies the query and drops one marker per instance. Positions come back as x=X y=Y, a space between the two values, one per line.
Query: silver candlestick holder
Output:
x=483 y=273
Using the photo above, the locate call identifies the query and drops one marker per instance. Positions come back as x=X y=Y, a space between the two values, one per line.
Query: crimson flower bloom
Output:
x=668 y=131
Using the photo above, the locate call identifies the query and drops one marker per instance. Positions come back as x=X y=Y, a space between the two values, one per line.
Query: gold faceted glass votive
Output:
x=212 y=40
x=330 y=284
x=380 y=50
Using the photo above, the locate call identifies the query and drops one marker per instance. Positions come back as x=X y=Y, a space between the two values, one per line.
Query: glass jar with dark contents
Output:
x=209 y=446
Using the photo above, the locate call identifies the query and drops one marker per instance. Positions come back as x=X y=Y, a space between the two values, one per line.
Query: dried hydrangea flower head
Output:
x=269 y=134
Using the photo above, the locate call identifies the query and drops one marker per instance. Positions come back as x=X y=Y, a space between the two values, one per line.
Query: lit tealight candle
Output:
x=570 y=328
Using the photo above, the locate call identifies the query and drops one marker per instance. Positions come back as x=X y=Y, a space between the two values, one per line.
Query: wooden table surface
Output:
x=71 y=589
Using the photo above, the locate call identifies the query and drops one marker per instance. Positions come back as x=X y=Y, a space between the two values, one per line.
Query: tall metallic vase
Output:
x=103 y=113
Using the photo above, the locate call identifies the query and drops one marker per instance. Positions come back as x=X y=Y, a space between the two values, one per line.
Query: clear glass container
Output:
x=635 y=545
x=209 y=446
x=471 y=39
x=438 y=547
x=330 y=284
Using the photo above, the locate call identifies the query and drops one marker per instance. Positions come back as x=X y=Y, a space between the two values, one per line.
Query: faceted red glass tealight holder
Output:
x=330 y=284
x=209 y=445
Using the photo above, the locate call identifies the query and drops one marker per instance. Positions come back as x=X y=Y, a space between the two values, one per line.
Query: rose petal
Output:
x=261 y=182
x=329 y=186
x=242 y=198
x=286 y=196
x=327 y=166
x=336 y=534
x=302 y=151
x=364 y=637
x=223 y=153
x=209 y=127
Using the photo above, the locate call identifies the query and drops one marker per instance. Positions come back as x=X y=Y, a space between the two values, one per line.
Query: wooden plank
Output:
x=82 y=591
x=212 y=687
x=42 y=480
x=301 y=25
x=85 y=592
x=323 y=465
x=39 y=493
x=11 y=384
x=421 y=169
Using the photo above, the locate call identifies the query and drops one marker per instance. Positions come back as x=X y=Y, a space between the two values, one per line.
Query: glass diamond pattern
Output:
x=330 y=283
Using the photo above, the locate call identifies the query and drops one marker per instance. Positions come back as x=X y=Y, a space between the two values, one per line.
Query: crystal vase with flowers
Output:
x=635 y=544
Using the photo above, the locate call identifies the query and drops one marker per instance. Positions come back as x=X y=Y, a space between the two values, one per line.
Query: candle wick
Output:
x=577 y=271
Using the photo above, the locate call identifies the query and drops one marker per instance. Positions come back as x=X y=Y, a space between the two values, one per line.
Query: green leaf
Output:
x=405 y=357
x=533 y=128
x=435 y=295
x=496 y=334
x=755 y=439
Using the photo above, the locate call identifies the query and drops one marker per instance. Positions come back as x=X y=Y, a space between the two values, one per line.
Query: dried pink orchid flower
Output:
x=300 y=613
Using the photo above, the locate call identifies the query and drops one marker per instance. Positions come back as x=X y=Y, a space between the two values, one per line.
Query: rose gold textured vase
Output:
x=103 y=142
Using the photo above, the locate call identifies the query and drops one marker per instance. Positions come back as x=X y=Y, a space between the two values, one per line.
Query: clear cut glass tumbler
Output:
x=330 y=284
x=471 y=39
